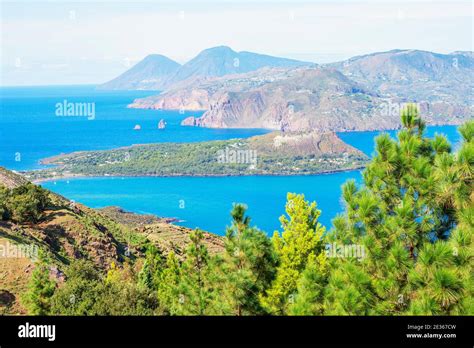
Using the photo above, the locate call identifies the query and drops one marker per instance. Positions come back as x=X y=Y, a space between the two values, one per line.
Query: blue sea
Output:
x=206 y=202
x=364 y=141
x=31 y=130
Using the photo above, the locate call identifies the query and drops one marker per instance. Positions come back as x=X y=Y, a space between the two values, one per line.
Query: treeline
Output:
x=404 y=245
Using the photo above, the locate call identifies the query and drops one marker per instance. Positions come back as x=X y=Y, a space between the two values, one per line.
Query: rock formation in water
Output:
x=162 y=124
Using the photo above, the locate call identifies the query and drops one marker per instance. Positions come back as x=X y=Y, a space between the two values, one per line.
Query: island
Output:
x=275 y=153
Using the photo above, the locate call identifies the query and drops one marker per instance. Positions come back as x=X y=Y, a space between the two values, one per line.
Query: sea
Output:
x=35 y=124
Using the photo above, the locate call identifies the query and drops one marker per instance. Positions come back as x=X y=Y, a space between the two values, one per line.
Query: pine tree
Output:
x=245 y=269
x=193 y=289
x=26 y=203
x=81 y=291
x=409 y=219
x=40 y=288
x=442 y=279
x=169 y=293
x=88 y=291
x=149 y=275
x=299 y=244
x=145 y=277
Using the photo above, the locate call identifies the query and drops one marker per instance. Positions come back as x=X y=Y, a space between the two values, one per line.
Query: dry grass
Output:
x=14 y=275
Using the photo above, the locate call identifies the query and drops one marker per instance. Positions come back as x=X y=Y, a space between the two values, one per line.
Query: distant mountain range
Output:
x=249 y=90
x=157 y=72
x=361 y=93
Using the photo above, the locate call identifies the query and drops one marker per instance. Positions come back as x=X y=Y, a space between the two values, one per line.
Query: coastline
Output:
x=137 y=104
x=48 y=160
x=85 y=176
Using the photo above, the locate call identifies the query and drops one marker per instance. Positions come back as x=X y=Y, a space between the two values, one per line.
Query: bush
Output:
x=25 y=203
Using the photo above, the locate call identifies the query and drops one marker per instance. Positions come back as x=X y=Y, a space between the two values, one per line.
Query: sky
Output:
x=92 y=41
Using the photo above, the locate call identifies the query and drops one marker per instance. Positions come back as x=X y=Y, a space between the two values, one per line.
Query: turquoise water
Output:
x=205 y=202
x=30 y=127
x=364 y=141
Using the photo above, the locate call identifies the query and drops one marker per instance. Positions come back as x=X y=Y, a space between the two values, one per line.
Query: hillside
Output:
x=10 y=179
x=162 y=232
x=276 y=153
x=308 y=99
x=420 y=75
x=363 y=93
x=200 y=94
x=68 y=231
x=157 y=72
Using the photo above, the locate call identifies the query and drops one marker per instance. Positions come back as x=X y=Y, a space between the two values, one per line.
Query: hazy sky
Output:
x=76 y=42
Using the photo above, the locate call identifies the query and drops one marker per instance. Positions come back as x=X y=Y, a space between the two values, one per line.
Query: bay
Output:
x=29 y=127
x=205 y=202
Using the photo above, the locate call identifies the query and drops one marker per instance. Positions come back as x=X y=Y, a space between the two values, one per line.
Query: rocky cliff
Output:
x=363 y=93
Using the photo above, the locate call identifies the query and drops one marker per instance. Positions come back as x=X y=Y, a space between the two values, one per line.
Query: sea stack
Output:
x=190 y=121
x=162 y=124
x=137 y=127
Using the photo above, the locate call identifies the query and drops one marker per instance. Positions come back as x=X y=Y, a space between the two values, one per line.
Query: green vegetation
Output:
x=403 y=246
x=261 y=155
x=246 y=268
x=414 y=219
x=299 y=244
x=64 y=232
x=88 y=292
x=24 y=203
x=40 y=290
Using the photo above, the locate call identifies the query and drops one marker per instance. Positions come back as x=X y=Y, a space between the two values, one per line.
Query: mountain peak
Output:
x=218 y=52
x=219 y=49
x=158 y=72
x=152 y=72
x=156 y=56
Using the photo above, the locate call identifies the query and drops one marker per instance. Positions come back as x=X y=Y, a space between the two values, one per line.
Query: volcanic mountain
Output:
x=157 y=72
